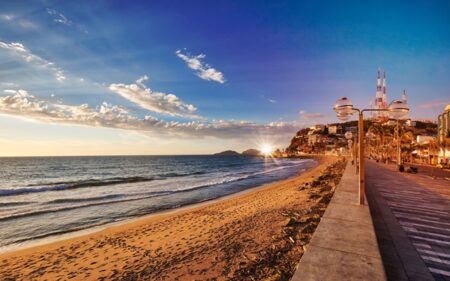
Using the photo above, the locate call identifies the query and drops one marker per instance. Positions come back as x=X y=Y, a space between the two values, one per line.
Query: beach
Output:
x=257 y=234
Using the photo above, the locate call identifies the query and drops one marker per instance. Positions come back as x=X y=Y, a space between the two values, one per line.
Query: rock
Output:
x=292 y=222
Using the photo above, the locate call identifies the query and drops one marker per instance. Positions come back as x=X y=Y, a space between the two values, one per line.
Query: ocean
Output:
x=48 y=196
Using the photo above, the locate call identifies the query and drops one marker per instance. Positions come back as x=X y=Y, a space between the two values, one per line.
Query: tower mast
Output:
x=378 y=100
x=384 y=91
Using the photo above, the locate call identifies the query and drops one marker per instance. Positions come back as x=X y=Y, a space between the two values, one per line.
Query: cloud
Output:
x=143 y=96
x=8 y=84
x=6 y=17
x=62 y=19
x=24 y=23
x=203 y=70
x=59 y=17
x=20 y=50
x=310 y=116
x=21 y=104
x=268 y=99
x=434 y=104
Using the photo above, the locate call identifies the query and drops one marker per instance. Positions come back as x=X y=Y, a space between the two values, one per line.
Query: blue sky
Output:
x=114 y=77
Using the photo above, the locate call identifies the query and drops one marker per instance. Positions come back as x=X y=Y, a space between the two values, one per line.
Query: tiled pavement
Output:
x=411 y=215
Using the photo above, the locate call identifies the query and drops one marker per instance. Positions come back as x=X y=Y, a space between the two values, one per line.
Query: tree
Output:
x=443 y=144
x=433 y=149
x=407 y=139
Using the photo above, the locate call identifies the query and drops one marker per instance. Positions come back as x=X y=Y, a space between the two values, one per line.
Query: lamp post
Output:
x=344 y=110
x=397 y=110
x=348 y=135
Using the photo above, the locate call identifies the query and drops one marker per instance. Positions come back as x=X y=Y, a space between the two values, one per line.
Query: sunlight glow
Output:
x=266 y=149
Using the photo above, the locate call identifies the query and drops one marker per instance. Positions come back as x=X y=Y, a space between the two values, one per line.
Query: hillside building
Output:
x=444 y=135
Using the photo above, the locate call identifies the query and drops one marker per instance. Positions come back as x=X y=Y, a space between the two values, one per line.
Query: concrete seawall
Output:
x=344 y=246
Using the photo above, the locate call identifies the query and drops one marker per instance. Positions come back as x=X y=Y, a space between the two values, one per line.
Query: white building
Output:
x=335 y=129
x=424 y=139
x=444 y=135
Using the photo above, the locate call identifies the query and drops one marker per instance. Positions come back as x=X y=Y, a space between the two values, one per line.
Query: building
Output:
x=444 y=135
x=411 y=123
x=335 y=129
x=318 y=128
x=352 y=129
x=424 y=139
x=391 y=122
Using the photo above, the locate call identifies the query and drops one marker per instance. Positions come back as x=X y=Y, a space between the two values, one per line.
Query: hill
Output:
x=227 y=153
x=251 y=152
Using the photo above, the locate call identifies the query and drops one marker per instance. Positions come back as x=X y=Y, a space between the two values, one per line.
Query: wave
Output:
x=230 y=179
x=72 y=207
x=58 y=186
x=14 y=204
x=76 y=200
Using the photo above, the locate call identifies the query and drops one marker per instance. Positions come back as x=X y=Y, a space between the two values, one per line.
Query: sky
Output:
x=198 y=77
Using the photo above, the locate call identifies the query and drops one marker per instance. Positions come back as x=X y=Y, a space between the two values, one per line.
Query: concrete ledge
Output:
x=344 y=245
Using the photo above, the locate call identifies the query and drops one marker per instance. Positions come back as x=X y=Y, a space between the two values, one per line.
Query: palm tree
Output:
x=407 y=139
x=377 y=130
x=433 y=149
x=443 y=145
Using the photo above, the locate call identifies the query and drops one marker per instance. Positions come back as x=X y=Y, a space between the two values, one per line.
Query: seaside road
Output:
x=411 y=216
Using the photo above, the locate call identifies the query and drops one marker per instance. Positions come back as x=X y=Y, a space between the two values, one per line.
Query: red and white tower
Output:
x=384 y=91
x=378 y=98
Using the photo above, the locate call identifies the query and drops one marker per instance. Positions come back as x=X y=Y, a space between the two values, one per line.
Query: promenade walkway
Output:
x=344 y=245
x=411 y=215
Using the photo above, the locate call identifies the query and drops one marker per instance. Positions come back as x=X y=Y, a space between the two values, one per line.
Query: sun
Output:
x=266 y=149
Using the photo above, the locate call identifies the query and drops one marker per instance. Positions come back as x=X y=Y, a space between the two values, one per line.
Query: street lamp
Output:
x=397 y=110
x=348 y=135
x=344 y=110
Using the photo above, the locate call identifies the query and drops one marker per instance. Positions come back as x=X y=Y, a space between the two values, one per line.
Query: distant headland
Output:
x=248 y=152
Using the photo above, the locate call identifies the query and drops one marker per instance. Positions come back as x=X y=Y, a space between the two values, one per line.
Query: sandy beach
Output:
x=255 y=235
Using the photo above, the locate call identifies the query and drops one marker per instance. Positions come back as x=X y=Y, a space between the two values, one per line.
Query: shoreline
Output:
x=95 y=229
x=195 y=229
x=42 y=242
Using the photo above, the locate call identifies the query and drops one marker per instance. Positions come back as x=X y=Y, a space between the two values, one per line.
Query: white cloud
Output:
x=143 y=96
x=434 y=104
x=20 y=50
x=20 y=103
x=24 y=23
x=203 y=70
x=6 y=17
x=59 y=17
x=268 y=99
x=8 y=84
x=310 y=116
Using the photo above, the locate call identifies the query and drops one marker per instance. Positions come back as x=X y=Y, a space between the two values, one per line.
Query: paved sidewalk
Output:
x=430 y=170
x=440 y=185
x=344 y=245
x=411 y=216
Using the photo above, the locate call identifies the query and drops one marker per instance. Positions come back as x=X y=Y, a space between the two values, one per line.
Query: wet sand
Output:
x=255 y=235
